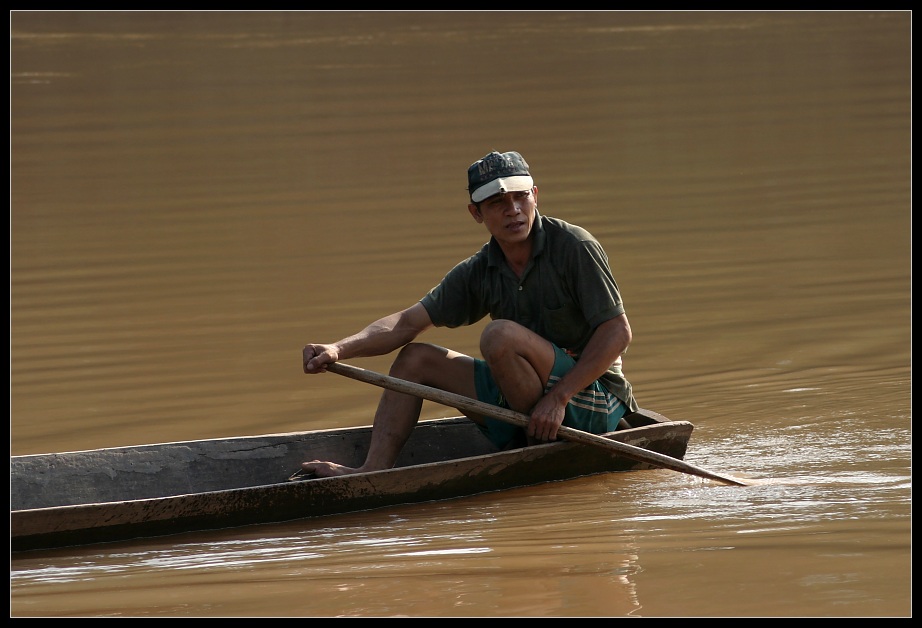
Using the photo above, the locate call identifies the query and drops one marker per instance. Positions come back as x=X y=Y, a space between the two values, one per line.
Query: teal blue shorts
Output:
x=593 y=410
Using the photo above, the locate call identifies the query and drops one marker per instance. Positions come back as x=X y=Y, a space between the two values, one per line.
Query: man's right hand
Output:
x=315 y=358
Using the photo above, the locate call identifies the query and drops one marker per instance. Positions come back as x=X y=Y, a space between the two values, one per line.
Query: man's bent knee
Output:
x=415 y=359
x=500 y=336
x=503 y=341
x=435 y=366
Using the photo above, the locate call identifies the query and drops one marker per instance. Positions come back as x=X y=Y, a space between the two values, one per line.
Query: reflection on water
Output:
x=195 y=196
x=370 y=565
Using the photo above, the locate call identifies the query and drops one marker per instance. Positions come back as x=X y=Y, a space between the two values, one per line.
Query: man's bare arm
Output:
x=379 y=338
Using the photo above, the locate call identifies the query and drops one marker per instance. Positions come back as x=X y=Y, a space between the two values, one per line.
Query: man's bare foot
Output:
x=323 y=469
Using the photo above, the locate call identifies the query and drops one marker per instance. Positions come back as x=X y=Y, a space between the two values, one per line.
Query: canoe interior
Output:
x=160 y=470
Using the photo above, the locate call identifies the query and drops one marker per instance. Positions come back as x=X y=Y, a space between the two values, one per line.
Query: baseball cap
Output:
x=496 y=173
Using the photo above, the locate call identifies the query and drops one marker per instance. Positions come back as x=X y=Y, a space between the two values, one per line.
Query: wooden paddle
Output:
x=467 y=404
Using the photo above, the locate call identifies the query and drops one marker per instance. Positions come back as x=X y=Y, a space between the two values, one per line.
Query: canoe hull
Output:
x=183 y=487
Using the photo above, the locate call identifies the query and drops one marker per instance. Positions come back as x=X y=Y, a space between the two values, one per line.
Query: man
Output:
x=552 y=350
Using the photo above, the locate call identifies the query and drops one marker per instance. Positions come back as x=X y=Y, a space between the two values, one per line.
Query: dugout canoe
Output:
x=121 y=493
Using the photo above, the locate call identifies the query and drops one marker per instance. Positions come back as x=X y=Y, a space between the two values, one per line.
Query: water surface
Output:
x=195 y=196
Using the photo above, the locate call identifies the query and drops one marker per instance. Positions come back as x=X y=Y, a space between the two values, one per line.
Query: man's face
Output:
x=508 y=217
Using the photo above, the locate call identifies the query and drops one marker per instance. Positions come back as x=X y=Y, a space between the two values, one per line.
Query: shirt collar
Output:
x=495 y=255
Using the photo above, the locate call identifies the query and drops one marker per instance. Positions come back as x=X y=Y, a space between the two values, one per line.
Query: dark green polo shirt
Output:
x=566 y=291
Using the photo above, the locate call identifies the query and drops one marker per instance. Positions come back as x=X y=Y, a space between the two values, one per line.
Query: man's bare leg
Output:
x=398 y=413
x=521 y=363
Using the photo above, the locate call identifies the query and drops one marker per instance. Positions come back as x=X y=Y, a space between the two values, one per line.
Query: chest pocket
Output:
x=564 y=326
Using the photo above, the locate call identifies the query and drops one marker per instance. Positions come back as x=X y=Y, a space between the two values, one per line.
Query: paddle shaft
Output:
x=466 y=404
